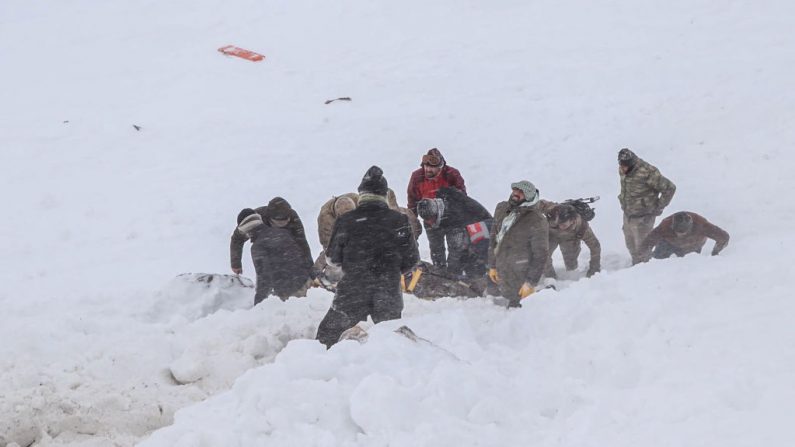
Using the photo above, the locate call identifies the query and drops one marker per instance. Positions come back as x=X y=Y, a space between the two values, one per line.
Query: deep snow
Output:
x=100 y=218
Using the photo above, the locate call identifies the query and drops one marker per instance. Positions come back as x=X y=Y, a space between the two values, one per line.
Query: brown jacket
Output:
x=295 y=226
x=644 y=191
x=522 y=253
x=691 y=242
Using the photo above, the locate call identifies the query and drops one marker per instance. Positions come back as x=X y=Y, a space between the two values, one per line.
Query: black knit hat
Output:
x=374 y=182
x=279 y=209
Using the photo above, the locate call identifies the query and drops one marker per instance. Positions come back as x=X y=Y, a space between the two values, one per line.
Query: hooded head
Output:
x=342 y=205
x=279 y=212
x=523 y=191
x=683 y=223
x=562 y=217
x=374 y=182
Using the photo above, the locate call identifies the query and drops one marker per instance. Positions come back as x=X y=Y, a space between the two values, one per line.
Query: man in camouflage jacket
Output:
x=519 y=244
x=644 y=194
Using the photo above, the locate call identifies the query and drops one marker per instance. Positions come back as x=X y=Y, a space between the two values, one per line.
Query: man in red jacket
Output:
x=432 y=175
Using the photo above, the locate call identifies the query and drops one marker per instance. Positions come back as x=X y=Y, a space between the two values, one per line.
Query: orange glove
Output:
x=493 y=276
x=526 y=290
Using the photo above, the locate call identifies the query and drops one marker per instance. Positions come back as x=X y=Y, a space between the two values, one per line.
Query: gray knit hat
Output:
x=530 y=191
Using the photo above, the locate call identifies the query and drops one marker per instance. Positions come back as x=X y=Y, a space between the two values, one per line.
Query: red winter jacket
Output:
x=422 y=188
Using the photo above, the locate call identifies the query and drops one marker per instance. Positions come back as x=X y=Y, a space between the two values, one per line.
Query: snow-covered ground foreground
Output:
x=101 y=345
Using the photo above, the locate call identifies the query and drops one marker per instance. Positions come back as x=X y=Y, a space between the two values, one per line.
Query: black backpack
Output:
x=583 y=208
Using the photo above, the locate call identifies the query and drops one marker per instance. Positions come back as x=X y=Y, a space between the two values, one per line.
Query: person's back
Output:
x=280 y=263
x=358 y=233
x=460 y=209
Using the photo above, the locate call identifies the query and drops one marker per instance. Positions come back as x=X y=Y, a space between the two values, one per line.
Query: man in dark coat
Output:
x=278 y=213
x=374 y=246
x=278 y=259
x=467 y=225
x=433 y=175
x=682 y=233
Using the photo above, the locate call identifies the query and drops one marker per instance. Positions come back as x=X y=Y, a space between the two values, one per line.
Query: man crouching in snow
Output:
x=374 y=246
x=280 y=261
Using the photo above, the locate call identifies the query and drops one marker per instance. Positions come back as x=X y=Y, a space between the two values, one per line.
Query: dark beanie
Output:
x=279 y=209
x=374 y=182
x=245 y=212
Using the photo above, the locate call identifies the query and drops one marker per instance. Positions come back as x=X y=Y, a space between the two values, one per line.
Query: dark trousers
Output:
x=272 y=280
x=382 y=300
x=665 y=250
x=452 y=257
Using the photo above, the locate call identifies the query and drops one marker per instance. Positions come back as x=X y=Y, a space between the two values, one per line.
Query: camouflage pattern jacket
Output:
x=644 y=191
x=690 y=242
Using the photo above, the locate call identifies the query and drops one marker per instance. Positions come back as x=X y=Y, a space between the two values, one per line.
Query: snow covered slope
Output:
x=100 y=217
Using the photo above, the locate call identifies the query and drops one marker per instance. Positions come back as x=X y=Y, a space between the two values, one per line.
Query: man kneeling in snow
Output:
x=280 y=262
x=374 y=246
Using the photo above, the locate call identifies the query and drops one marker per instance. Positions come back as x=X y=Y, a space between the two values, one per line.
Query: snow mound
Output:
x=195 y=295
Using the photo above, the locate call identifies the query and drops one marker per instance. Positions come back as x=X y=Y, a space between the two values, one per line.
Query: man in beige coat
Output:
x=519 y=246
x=644 y=195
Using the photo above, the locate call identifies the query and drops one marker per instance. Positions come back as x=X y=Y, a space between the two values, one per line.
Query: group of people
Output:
x=370 y=254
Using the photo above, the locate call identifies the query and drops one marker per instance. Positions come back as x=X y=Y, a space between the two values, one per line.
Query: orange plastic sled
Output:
x=231 y=50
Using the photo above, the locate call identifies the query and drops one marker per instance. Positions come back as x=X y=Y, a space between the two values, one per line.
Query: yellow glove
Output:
x=493 y=276
x=526 y=290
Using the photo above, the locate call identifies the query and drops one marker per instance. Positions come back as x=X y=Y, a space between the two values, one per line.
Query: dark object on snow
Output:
x=344 y=98
x=374 y=246
x=218 y=280
x=428 y=281
x=138 y=128
x=583 y=208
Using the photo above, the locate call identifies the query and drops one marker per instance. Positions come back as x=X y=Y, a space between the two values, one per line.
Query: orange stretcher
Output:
x=231 y=50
